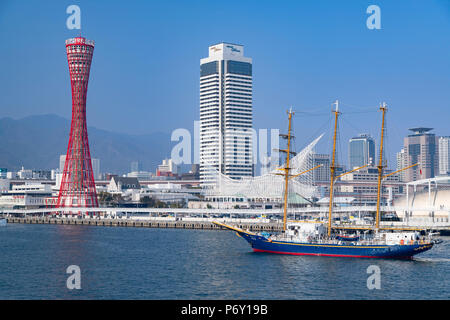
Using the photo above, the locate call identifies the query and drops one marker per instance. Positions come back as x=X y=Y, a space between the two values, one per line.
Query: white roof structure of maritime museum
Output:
x=270 y=185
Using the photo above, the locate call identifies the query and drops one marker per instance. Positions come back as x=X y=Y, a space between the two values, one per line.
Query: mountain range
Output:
x=36 y=142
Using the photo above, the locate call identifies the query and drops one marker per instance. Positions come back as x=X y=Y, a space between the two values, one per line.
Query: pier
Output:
x=184 y=218
x=204 y=224
x=207 y=223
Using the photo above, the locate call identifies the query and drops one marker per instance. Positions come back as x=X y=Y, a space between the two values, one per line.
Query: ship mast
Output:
x=383 y=109
x=286 y=169
x=332 y=167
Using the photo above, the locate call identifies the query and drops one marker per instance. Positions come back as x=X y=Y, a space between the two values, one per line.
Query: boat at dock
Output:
x=320 y=238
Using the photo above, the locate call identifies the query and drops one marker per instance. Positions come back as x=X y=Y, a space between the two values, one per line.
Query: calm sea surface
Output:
x=141 y=263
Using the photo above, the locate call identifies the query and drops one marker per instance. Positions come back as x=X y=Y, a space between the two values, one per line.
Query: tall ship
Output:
x=318 y=238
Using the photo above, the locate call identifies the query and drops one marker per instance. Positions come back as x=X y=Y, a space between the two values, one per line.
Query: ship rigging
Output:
x=316 y=238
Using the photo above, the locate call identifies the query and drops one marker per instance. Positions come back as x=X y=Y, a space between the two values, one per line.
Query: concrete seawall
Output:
x=268 y=226
x=180 y=224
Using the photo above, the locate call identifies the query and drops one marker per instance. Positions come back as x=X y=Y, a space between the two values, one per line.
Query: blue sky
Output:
x=306 y=54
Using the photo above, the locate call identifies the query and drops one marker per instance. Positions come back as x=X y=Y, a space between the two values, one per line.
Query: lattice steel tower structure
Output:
x=77 y=185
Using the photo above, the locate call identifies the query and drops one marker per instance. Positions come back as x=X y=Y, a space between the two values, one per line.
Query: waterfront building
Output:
x=361 y=151
x=226 y=114
x=140 y=175
x=170 y=193
x=266 y=191
x=362 y=184
x=421 y=147
x=322 y=173
x=167 y=167
x=136 y=166
x=193 y=174
x=11 y=175
x=26 y=196
x=25 y=173
x=444 y=155
x=119 y=184
x=402 y=163
x=58 y=178
x=4 y=185
x=424 y=195
x=53 y=174
x=42 y=174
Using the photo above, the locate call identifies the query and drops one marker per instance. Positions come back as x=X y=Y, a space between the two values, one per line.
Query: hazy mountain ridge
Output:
x=36 y=142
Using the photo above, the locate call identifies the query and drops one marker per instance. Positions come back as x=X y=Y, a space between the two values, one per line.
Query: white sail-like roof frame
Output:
x=269 y=185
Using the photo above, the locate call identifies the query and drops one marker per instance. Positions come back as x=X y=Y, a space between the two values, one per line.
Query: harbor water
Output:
x=148 y=263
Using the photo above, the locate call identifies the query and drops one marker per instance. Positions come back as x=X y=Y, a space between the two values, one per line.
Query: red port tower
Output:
x=77 y=184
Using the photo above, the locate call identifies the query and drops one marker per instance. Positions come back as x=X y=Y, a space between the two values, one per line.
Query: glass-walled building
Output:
x=361 y=151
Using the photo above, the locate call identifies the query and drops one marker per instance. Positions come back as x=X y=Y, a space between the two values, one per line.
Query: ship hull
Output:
x=407 y=251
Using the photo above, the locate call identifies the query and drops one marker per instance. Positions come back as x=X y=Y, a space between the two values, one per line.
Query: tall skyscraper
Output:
x=136 y=166
x=77 y=185
x=444 y=155
x=361 y=151
x=225 y=113
x=62 y=161
x=96 y=168
x=421 y=147
x=322 y=173
x=402 y=163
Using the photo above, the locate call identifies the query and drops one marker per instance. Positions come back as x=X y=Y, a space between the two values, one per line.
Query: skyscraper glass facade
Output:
x=361 y=151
